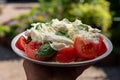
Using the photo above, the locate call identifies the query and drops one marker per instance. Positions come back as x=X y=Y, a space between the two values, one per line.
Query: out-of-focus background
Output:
x=17 y=15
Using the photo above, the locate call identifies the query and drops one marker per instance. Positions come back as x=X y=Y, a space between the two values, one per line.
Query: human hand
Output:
x=40 y=72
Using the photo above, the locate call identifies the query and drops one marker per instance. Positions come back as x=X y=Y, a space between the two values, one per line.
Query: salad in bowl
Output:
x=62 y=42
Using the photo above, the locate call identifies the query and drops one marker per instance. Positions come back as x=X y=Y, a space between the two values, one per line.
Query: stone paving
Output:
x=11 y=10
x=11 y=65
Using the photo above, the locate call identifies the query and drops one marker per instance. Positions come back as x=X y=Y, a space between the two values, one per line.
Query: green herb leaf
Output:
x=39 y=26
x=63 y=33
x=49 y=24
x=45 y=51
x=66 y=20
x=83 y=27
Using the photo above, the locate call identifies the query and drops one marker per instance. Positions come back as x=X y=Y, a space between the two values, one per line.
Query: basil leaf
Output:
x=38 y=26
x=45 y=51
x=63 y=33
x=66 y=20
x=49 y=24
x=83 y=27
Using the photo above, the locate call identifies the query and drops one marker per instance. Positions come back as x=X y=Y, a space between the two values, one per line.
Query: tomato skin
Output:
x=31 y=49
x=101 y=47
x=85 y=49
x=65 y=55
x=21 y=43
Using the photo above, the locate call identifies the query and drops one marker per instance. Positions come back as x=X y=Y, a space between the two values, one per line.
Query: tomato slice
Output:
x=31 y=49
x=65 y=55
x=101 y=47
x=85 y=49
x=21 y=43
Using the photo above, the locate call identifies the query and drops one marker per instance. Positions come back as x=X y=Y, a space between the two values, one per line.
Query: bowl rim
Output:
x=71 y=64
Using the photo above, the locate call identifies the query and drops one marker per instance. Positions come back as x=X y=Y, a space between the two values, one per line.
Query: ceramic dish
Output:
x=71 y=64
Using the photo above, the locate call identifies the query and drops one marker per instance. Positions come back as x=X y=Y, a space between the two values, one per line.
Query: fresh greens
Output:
x=66 y=20
x=83 y=27
x=63 y=33
x=49 y=24
x=45 y=51
x=39 y=26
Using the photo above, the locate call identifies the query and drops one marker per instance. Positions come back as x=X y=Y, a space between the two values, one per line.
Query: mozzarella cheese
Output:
x=40 y=32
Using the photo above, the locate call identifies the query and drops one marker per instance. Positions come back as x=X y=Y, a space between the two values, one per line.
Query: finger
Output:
x=81 y=69
x=35 y=71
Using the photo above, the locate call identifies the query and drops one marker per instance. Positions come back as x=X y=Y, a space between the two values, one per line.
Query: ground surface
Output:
x=11 y=65
x=12 y=10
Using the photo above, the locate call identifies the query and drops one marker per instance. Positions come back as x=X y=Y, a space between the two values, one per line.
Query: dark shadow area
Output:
x=7 y=54
x=112 y=72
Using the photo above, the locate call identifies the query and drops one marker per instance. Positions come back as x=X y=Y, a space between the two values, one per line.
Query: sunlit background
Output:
x=17 y=15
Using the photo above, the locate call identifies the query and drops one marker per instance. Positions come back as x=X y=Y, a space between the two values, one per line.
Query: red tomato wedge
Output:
x=21 y=43
x=101 y=47
x=31 y=49
x=65 y=55
x=85 y=49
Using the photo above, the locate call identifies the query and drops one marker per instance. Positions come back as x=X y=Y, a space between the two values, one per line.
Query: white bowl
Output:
x=71 y=64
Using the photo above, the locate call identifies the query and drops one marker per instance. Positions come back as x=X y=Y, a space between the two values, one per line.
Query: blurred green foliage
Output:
x=92 y=12
x=19 y=24
x=4 y=30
